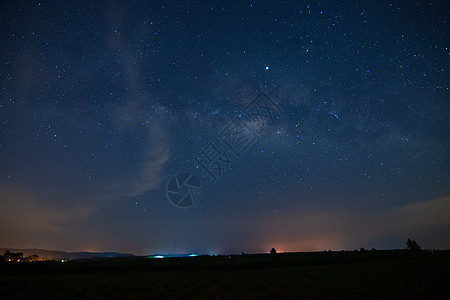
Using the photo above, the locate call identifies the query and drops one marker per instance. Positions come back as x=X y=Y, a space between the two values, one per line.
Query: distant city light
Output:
x=172 y=255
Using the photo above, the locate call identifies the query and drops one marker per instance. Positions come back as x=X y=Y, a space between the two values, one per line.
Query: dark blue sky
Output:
x=102 y=104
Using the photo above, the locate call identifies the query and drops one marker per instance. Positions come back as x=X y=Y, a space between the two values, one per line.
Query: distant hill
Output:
x=50 y=254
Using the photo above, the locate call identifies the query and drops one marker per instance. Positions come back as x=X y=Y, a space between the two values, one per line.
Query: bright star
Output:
x=267 y=68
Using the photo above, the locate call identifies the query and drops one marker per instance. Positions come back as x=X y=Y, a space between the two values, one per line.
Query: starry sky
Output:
x=103 y=103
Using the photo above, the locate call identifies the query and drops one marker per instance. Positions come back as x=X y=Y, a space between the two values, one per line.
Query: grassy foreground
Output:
x=379 y=274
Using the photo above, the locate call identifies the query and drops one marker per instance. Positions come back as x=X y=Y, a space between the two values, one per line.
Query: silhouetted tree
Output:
x=273 y=251
x=33 y=257
x=13 y=257
x=7 y=255
x=362 y=249
x=412 y=245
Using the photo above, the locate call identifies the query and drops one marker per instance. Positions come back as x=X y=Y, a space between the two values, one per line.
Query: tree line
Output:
x=12 y=257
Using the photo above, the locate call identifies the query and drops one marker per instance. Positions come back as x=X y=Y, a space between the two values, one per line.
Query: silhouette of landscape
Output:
x=409 y=273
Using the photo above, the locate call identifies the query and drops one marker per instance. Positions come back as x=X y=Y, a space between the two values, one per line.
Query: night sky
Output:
x=340 y=112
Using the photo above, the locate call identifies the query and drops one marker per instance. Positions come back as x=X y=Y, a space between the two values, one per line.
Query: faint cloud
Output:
x=135 y=116
x=129 y=114
x=25 y=216
x=419 y=218
x=151 y=169
x=140 y=112
x=427 y=221
x=318 y=230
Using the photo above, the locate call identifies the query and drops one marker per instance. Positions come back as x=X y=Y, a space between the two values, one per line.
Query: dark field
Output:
x=379 y=274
